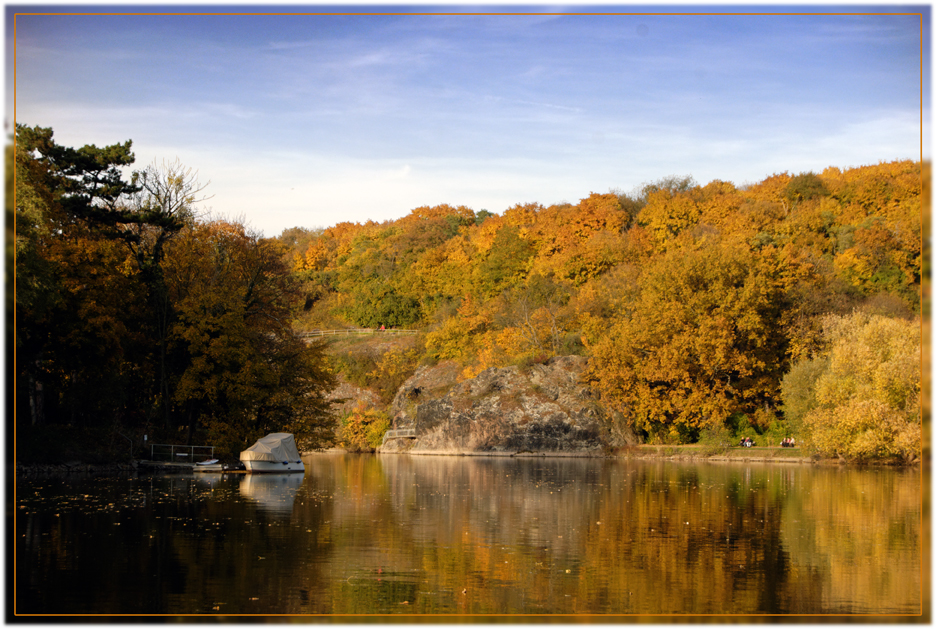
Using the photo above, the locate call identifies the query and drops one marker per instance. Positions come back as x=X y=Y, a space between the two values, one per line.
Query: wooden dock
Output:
x=173 y=466
x=182 y=467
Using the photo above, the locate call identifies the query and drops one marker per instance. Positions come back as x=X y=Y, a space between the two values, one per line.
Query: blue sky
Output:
x=310 y=120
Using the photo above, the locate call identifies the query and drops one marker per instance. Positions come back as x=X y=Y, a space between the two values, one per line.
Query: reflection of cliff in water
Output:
x=274 y=493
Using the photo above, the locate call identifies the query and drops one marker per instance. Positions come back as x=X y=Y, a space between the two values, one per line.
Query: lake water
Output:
x=401 y=535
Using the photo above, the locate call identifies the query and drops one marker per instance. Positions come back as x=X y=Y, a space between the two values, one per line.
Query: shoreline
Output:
x=764 y=454
x=686 y=453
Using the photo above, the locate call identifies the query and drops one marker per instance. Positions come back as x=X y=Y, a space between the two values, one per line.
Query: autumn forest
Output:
x=788 y=307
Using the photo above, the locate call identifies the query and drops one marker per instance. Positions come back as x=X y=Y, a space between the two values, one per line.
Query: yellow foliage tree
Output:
x=457 y=338
x=362 y=430
x=868 y=397
x=702 y=341
x=392 y=369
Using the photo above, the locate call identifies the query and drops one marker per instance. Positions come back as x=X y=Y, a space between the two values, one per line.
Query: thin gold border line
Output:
x=511 y=14
x=455 y=14
x=459 y=615
x=922 y=542
x=924 y=556
x=15 y=353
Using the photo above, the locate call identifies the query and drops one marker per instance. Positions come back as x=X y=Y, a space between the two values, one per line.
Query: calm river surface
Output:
x=393 y=534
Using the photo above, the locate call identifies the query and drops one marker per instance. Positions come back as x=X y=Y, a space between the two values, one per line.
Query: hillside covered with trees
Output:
x=787 y=307
x=702 y=307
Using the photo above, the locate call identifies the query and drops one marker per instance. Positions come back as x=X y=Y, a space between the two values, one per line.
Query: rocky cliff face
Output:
x=540 y=409
x=346 y=397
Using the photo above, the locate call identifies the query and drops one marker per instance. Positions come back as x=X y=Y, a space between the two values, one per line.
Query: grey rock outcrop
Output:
x=346 y=397
x=540 y=409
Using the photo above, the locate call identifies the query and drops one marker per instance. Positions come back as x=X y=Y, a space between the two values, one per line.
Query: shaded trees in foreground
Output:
x=135 y=315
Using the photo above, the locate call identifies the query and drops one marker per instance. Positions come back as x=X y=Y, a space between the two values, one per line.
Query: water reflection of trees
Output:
x=156 y=545
x=417 y=535
x=610 y=536
x=863 y=526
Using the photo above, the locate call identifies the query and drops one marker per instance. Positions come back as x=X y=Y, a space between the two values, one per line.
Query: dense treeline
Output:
x=789 y=307
x=136 y=316
x=694 y=302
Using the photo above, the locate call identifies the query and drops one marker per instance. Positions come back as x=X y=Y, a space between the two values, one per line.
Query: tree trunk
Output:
x=188 y=438
x=36 y=402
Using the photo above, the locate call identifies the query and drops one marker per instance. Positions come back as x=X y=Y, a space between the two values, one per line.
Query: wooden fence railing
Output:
x=171 y=452
x=352 y=331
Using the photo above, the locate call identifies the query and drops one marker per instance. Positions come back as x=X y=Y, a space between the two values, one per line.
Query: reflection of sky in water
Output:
x=275 y=493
